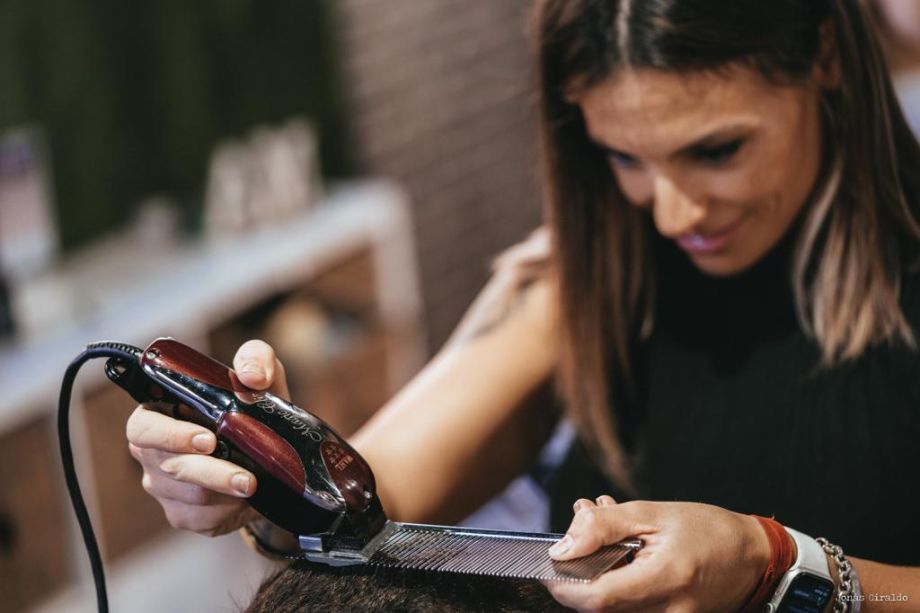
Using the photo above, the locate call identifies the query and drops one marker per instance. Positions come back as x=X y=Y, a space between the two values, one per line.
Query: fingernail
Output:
x=578 y=505
x=561 y=546
x=253 y=368
x=203 y=442
x=604 y=501
x=241 y=483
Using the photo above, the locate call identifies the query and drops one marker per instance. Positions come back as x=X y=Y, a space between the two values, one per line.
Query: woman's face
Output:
x=723 y=162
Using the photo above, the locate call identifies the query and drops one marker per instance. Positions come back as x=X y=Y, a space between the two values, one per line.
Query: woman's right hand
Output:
x=199 y=492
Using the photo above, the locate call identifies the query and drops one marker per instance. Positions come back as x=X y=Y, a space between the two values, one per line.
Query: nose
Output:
x=675 y=213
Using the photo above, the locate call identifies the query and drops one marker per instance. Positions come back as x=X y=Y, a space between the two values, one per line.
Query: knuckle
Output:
x=590 y=521
x=597 y=603
x=643 y=508
x=682 y=606
x=170 y=439
x=152 y=459
x=147 y=483
x=148 y=458
x=181 y=517
x=684 y=576
x=135 y=452
x=176 y=516
x=174 y=467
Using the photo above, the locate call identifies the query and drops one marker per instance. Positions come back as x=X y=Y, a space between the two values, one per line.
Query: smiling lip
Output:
x=705 y=244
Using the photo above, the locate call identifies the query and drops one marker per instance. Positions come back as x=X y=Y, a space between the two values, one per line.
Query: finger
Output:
x=593 y=527
x=631 y=587
x=565 y=542
x=211 y=473
x=163 y=488
x=605 y=501
x=149 y=458
x=258 y=367
x=149 y=429
x=212 y=521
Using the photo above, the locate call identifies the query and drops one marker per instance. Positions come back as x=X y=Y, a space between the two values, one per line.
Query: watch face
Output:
x=807 y=594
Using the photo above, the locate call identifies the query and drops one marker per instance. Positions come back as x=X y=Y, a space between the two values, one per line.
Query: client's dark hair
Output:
x=305 y=586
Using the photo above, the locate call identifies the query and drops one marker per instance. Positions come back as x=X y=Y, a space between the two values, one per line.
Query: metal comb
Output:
x=496 y=553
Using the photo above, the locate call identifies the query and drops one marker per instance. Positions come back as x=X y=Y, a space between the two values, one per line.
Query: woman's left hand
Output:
x=696 y=557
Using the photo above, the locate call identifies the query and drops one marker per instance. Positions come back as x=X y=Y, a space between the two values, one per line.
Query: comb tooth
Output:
x=540 y=568
x=517 y=561
x=473 y=553
x=485 y=551
x=534 y=567
x=497 y=552
x=537 y=564
x=464 y=560
x=439 y=559
x=498 y=560
x=518 y=558
x=510 y=562
x=442 y=555
x=412 y=548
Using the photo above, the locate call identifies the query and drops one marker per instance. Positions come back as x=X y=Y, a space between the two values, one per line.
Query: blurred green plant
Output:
x=134 y=94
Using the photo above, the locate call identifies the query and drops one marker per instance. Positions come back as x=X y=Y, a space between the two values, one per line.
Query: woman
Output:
x=729 y=297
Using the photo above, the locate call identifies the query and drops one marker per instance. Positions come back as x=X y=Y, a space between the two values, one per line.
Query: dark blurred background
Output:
x=133 y=96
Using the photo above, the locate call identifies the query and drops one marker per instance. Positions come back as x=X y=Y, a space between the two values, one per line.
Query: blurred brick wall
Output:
x=441 y=97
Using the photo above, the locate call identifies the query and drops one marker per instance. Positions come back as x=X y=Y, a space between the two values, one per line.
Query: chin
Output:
x=722 y=264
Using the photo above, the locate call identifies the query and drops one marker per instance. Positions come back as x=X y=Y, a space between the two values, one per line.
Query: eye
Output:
x=623 y=160
x=718 y=154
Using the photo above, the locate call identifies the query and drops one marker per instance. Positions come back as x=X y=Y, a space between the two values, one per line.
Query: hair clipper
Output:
x=310 y=480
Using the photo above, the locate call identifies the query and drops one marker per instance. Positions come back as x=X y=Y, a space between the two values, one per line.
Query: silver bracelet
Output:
x=849 y=592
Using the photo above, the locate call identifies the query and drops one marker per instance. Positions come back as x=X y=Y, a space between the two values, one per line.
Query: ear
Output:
x=826 y=70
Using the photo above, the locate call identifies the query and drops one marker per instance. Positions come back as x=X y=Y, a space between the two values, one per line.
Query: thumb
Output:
x=592 y=528
x=258 y=368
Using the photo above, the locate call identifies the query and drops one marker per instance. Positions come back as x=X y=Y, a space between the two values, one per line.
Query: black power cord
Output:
x=120 y=352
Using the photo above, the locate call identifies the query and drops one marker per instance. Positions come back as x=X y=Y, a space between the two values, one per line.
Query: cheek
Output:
x=761 y=185
x=743 y=187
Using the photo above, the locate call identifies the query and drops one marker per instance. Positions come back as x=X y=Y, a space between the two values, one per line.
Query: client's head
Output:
x=304 y=586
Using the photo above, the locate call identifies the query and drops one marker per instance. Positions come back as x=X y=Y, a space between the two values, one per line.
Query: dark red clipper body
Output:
x=310 y=480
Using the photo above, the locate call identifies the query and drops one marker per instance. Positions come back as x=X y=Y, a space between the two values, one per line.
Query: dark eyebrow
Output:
x=713 y=139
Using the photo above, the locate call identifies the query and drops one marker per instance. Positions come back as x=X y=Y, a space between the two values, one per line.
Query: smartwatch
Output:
x=807 y=586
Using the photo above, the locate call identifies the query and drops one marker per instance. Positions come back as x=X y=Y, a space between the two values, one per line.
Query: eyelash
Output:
x=720 y=153
x=622 y=160
x=712 y=156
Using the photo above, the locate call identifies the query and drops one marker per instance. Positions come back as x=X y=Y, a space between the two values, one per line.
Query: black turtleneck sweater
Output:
x=736 y=412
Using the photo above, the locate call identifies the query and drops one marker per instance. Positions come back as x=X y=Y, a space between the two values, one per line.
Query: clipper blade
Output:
x=495 y=553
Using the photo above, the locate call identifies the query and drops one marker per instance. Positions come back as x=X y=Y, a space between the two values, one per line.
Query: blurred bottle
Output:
x=267 y=178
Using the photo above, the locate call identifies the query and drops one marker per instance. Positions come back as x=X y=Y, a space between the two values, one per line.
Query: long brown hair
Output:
x=858 y=233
